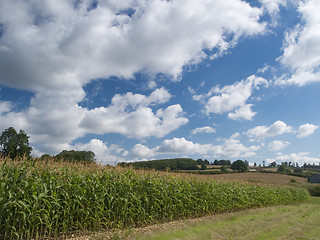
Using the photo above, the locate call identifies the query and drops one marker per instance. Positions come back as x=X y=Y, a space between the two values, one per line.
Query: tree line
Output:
x=15 y=144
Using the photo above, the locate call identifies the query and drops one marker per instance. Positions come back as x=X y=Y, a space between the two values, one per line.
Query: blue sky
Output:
x=134 y=80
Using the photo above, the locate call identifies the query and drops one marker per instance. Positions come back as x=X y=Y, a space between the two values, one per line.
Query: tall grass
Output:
x=37 y=202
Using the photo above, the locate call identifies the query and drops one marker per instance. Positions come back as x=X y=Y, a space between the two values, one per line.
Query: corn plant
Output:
x=38 y=202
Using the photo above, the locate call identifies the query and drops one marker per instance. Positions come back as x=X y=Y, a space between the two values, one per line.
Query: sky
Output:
x=136 y=80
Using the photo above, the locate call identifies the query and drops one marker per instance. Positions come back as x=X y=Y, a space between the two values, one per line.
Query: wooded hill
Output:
x=164 y=164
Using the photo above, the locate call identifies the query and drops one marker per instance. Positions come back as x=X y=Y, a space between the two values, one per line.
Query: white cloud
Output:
x=54 y=48
x=301 y=50
x=272 y=7
x=205 y=129
x=300 y=158
x=5 y=107
x=131 y=116
x=231 y=148
x=55 y=118
x=103 y=153
x=277 y=145
x=142 y=151
x=306 y=129
x=243 y=112
x=277 y=128
x=49 y=41
x=234 y=98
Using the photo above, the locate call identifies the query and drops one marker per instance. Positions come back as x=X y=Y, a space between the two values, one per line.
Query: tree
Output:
x=282 y=168
x=239 y=165
x=13 y=144
x=76 y=156
x=298 y=170
x=223 y=168
x=203 y=166
x=273 y=164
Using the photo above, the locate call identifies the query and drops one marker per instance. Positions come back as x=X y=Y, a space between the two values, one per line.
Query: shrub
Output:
x=239 y=165
x=282 y=168
x=297 y=170
x=314 y=191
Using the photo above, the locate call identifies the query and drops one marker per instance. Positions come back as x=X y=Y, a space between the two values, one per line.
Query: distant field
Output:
x=256 y=177
x=247 y=177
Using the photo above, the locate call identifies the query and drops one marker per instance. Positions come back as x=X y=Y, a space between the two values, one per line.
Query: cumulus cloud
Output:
x=205 y=129
x=306 y=129
x=130 y=115
x=301 y=50
x=55 y=118
x=142 y=151
x=272 y=7
x=234 y=98
x=5 y=107
x=56 y=41
x=54 y=48
x=277 y=128
x=103 y=153
x=277 y=145
x=299 y=158
x=231 y=148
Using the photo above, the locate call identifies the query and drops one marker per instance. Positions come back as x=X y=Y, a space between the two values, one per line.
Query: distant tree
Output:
x=76 y=156
x=223 y=169
x=203 y=166
x=273 y=164
x=282 y=168
x=46 y=157
x=239 y=165
x=13 y=144
x=222 y=162
x=164 y=164
x=246 y=162
x=255 y=164
x=199 y=161
x=206 y=162
x=298 y=170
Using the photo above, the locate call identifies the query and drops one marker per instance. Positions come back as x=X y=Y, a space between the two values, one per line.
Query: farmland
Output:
x=49 y=200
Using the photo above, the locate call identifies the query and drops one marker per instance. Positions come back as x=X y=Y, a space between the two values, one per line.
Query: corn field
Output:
x=39 y=202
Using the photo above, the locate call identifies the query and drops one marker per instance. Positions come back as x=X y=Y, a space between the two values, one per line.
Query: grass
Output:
x=39 y=200
x=298 y=221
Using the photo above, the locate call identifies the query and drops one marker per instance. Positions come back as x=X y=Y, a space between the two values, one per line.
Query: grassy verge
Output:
x=298 y=221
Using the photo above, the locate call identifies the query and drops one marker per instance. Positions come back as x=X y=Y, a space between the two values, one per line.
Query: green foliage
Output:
x=239 y=165
x=76 y=156
x=282 y=168
x=13 y=144
x=41 y=202
x=203 y=166
x=223 y=169
x=273 y=164
x=205 y=162
x=165 y=164
x=314 y=190
x=297 y=170
x=222 y=162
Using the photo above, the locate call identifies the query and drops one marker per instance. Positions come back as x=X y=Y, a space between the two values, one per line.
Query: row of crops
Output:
x=38 y=202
